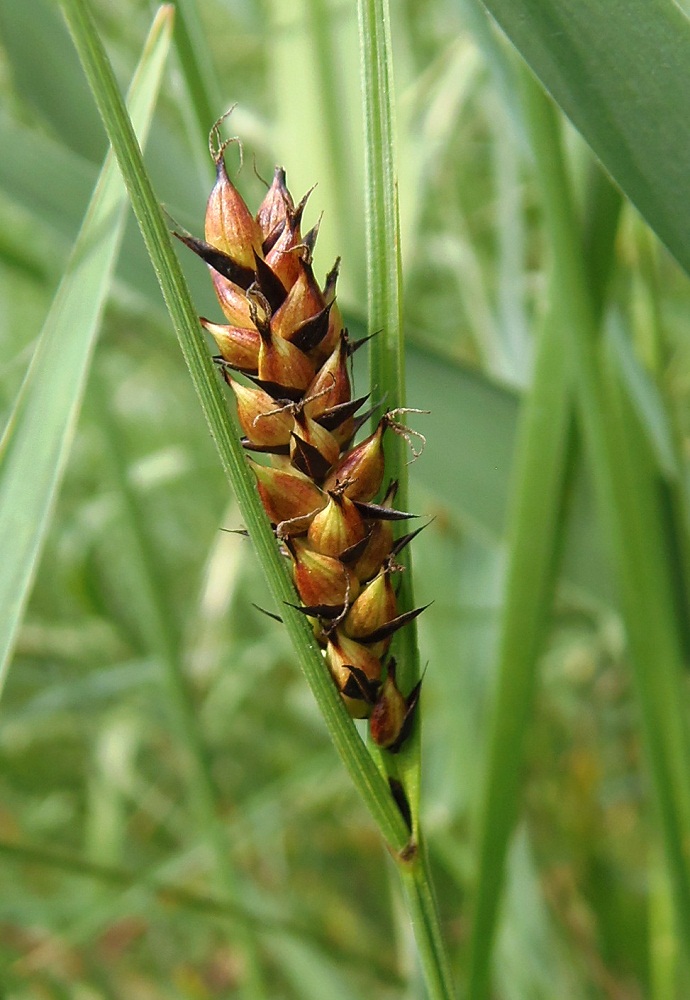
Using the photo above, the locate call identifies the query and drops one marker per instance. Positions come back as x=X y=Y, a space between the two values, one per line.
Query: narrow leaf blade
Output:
x=37 y=440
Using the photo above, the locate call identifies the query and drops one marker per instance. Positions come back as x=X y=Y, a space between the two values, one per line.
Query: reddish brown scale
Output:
x=264 y=424
x=303 y=302
x=233 y=300
x=337 y=528
x=229 y=224
x=286 y=334
x=331 y=386
x=275 y=208
x=361 y=468
x=237 y=345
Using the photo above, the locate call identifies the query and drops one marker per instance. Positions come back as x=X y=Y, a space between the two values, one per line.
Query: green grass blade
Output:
x=387 y=375
x=197 y=65
x=352 y=751
x=636 y=122
x=37 y=440
x=384 y=296
x=625 y=476
x=384 y=274
x=543 y=470
x=534 y=540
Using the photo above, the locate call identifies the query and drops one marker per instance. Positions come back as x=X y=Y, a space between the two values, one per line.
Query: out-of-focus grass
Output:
x=90 y=761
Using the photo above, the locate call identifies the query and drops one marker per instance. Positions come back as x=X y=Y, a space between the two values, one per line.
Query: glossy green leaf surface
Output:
x=620 y=70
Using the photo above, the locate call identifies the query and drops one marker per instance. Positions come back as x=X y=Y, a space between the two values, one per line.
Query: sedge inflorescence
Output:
x=284 y=337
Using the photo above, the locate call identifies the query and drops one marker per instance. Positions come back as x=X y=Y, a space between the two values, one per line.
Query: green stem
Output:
x=423 y=911
x=387 y=374
x=384 y=277
x=534 y=536
x=363 y=771
x=544 y=460
x=624 y=478
x=197 y=65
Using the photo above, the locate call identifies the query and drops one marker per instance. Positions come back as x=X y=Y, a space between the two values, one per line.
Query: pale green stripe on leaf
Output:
x=37 y=440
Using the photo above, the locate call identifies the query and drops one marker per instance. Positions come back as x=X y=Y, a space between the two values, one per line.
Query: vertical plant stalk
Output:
x=384 y=304
x=544 y=459
x=624 y=478
x=359 y=764
x=387 y=374
x=534 y=536
x=323 y=29
x=196 y=63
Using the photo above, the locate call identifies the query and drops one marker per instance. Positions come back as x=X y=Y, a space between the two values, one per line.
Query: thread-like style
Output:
x=284 y=337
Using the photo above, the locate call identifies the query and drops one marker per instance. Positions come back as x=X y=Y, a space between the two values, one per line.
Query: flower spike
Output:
x=284 y=333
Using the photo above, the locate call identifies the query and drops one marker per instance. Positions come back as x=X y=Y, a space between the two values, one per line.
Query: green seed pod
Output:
x=388 y=714
x=283 y=365
x=378 y=548
x=331 y=386
x=313 y=449
x=233 y=299
x=304 y=301
x=356 y=672
x=392 y=714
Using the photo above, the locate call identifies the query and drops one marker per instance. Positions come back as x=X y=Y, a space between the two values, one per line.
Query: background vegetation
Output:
x=147 y=695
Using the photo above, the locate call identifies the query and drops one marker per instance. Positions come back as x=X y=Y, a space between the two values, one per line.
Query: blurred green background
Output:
x=94 y=755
